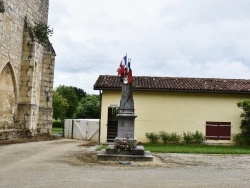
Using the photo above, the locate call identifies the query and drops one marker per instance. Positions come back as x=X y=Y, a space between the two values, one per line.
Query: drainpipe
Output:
x=100 y=116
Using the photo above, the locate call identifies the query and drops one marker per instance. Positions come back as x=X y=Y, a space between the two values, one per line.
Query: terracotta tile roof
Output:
x=108 y=82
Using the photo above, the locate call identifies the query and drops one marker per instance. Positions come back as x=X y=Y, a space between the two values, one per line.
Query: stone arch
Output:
x=8 y=97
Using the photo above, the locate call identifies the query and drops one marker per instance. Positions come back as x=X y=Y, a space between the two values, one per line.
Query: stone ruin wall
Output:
x=26 y=68
x=12 y=27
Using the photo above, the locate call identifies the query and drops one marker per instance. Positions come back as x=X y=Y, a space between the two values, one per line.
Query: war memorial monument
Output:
x=125 y=144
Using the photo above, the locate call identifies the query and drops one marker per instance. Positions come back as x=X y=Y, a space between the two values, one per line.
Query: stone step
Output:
x=139 y=150
x=117 y=157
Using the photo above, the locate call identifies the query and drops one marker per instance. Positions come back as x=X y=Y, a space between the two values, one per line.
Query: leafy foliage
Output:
x=89 y=107
x=79 y=104
x=165 y=137
x=169 y=137
x=198 y=137
x=60 y=106
x=69 y=94
x=152 y=137
x=42 y=32
x=245 y=122
x=79 y=92
x=188 y=138
x=239 y=139
x=195 y=138
x=57 y=123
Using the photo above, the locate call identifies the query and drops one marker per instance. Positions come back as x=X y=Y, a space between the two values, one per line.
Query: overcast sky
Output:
x=177 y=38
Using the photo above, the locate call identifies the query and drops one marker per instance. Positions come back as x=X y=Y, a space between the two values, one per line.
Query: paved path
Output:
x=67 y=163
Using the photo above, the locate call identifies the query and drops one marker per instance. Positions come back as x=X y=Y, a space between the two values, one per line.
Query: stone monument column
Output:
x=125 y=144
x=126 y=116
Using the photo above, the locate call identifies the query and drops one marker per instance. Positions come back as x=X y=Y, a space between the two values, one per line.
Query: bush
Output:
x=244 y=137
x=57 y=123
x=174 y=138
x=165 y=137
x=194 y=138
x=169 y=137
x=152 y=137
x=239 y=139
x=188 y=137
x=198 y=137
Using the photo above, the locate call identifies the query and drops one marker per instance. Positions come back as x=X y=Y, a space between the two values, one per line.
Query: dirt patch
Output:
x=89 y=157
x=81 y=158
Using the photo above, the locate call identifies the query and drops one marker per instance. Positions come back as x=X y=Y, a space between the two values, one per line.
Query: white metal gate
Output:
x=82 y=129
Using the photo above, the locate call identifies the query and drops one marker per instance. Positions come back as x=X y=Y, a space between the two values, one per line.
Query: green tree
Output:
x=79 y=92
x=60 y=106
x=245 y=122
x=68 y=93
x=89 y=107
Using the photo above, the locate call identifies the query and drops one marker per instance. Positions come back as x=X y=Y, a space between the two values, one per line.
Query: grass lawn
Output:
x=202 y=149
x=56 y=130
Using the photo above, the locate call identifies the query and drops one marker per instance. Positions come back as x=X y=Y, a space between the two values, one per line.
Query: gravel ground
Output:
x=72 y=163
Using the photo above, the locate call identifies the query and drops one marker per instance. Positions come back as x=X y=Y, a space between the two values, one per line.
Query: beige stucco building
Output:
x=26 y=67
x=176 y=105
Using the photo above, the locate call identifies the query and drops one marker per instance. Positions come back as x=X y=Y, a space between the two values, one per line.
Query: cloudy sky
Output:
x=177 y=38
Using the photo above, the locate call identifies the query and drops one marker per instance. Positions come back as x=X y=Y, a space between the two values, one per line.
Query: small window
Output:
x=218 y=130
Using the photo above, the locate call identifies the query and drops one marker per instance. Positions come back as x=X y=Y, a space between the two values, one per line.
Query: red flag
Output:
x=123 y=66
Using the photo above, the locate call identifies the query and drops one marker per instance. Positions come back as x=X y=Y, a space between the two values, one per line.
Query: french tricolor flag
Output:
x=125 y=69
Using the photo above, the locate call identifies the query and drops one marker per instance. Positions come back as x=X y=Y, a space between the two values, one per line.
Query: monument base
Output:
x=132 y=141
x=136 y=154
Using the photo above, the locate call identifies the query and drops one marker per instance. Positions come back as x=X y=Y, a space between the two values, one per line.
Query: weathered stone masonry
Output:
x=26 y=68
